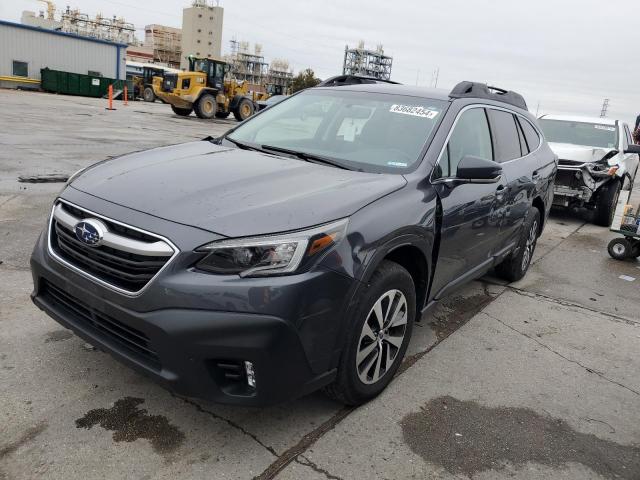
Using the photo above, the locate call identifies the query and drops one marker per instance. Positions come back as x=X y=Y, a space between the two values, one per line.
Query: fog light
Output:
x=251 y=376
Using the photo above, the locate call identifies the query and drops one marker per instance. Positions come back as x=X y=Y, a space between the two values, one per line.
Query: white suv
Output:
x=597 y=158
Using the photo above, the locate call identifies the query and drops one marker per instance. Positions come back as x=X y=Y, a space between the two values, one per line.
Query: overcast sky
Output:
x=566 y=55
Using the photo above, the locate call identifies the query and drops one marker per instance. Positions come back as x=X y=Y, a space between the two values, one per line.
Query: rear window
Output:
x=505 y=135
x=580 y=133
x=530 y=134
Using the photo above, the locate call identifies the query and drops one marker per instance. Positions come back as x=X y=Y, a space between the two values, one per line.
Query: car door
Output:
x=469 y=212
x=518 y=169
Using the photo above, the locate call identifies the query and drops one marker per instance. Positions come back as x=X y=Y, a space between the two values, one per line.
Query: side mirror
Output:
x=478 y=170
x=633 y=149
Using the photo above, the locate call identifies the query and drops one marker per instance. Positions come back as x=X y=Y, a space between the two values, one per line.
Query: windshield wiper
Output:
x=243 y=146
x=309 y=157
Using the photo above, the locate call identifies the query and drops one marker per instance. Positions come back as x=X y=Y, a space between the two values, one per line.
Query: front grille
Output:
x=101 y=325
x=568 y=178
x=115 y=266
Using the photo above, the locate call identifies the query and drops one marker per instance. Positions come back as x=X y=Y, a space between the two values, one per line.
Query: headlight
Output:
x=270 y=255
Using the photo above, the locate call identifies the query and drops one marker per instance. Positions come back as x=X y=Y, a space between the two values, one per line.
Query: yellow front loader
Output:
x=203 y=90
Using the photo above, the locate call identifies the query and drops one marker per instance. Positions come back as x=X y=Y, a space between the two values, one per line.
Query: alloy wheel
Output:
x=530 y=245
x=382 y=336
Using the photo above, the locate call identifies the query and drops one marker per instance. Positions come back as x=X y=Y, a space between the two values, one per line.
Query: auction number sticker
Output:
x=605 y=127
x=415 y=110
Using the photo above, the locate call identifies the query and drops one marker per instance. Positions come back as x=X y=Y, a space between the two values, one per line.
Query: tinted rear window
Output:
x=530 y=133
x=505 y=135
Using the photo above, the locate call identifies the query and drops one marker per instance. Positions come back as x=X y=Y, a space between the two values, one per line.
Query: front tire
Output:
x=148 y=95
x=244 y=110
x=377 y=336
x=516 y=265
x=607 y=203
x=183 y=112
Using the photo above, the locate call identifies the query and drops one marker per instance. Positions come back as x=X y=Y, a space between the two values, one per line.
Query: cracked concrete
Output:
x=562 y=343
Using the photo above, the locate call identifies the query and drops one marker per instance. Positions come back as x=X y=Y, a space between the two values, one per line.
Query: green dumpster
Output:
x=57 y=81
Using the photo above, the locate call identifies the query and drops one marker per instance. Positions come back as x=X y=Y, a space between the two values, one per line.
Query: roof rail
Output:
x=482 y=90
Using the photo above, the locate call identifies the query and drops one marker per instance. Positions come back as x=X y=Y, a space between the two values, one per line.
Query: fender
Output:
x=212 y=91
x=407 y=239
x=235 y=101
x=369 y=267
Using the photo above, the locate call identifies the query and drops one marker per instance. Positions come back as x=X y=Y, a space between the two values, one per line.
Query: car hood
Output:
x=233 y=192
x=580 y=153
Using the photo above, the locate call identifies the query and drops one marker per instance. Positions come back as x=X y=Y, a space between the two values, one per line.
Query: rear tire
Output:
x=148 y=95
x=620 y=249
x=183 y=112
x=377 y=335
x=206 y=106
x=606 y=203
x=516 y=265
x=244 y=110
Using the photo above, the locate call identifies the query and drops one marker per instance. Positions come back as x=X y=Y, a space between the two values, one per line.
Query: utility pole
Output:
x=605 y=108
x=538 y=110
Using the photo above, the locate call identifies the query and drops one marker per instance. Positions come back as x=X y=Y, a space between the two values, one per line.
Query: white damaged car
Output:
x=597 y=158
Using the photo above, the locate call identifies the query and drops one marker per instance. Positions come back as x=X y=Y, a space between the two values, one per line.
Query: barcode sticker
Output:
x=415 y=110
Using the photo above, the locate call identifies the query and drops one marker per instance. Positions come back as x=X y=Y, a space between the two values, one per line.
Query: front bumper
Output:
x=192 y=332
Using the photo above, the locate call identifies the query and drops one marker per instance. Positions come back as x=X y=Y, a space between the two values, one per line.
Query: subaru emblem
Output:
x=90 y=232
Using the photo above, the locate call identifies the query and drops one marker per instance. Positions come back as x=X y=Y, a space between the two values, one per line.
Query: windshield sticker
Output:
x=414 y=110
x=396 y=164
x=605 y=127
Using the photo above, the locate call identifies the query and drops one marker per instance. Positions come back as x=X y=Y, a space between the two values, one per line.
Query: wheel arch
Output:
x=205 y=90
x=539 y=204
x=412 y=259
x=411 y=253
x=235 y=102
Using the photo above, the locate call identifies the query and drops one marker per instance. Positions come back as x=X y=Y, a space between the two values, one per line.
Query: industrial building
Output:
x=370 y=63
x=247 y=66
x=201 y=31
x=27 y=49
x=115 y=29
x=280 y=73
x=164 y=44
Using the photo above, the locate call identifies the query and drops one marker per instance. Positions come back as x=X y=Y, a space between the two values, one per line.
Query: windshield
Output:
x=580 y=133
x=359 y=130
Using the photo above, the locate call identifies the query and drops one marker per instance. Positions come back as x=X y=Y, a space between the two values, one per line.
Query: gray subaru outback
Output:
x=296 y=251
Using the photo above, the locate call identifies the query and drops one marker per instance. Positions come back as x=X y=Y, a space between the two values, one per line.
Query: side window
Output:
x=524 y=149
x=530 y=133
x=505 y=135
x=471 y=136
